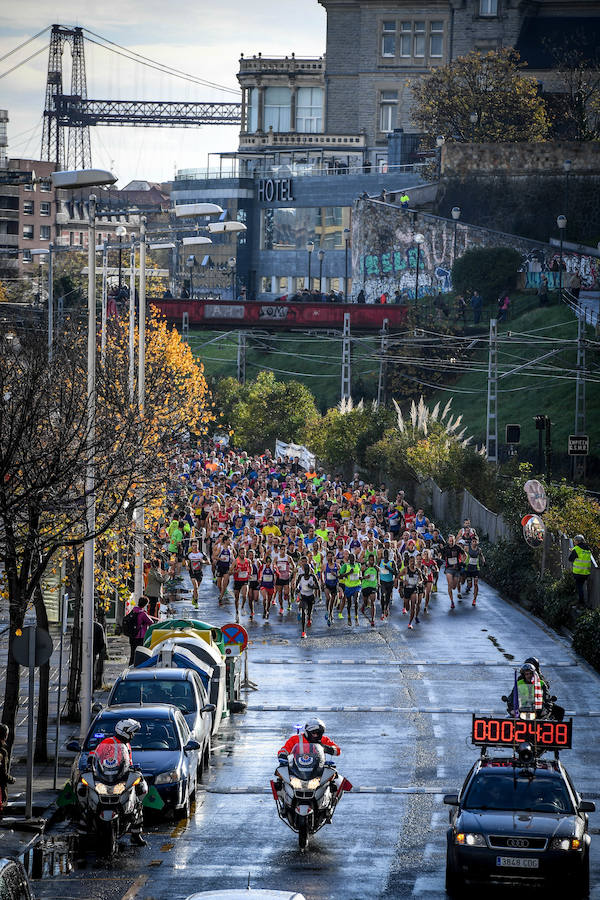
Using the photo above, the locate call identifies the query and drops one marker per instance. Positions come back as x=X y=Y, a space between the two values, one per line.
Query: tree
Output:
x=493 y=85
x=265 y=409
x=490 y=270
x=574 y=104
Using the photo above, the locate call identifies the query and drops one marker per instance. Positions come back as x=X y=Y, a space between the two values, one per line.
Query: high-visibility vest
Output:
x=583 y=564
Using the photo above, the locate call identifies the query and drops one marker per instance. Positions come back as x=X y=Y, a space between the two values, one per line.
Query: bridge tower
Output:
x=78 y=148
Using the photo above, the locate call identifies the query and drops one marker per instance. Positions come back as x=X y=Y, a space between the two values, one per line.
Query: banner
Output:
x=291 y=451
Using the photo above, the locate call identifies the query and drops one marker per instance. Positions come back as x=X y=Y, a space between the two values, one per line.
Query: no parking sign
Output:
x=235 y=639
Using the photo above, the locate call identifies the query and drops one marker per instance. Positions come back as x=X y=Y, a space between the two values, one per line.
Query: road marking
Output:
x=428 y=710
x=135 y=888
x=489 y=664
x=357 y=789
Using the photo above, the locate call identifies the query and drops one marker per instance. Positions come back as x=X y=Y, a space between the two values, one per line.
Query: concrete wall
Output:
x=385 y=255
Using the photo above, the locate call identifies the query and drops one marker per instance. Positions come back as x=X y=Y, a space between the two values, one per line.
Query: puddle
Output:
x=52 y=856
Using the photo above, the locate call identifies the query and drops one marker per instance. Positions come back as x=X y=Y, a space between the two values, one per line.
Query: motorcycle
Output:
x=109 y=806
x=307 y=790
x=528 y=712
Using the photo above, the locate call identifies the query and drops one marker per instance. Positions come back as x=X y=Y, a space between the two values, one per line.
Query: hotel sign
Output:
x=275 y=190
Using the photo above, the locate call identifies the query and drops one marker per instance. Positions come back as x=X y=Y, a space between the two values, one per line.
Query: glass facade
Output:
x=285 y=228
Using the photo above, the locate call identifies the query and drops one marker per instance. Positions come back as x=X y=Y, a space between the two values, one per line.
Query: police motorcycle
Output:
x=307 y=789
x=110 y=792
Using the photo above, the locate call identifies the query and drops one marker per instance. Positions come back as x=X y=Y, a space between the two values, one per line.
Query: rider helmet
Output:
x=527 y=668
x=578 y=539
x=126 y=728
x=314 y=730
x=534 y=661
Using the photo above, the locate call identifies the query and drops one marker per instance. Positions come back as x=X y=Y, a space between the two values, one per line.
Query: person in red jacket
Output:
x=240 y=569
x=314 y=733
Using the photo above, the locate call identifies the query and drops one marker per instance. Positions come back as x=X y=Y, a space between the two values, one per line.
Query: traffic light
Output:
x=513 y=434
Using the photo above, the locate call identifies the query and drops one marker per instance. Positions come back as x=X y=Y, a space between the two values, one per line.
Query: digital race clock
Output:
x=506 y=732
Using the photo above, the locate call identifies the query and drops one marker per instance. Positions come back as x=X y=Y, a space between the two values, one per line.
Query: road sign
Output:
x=513 y=434
x=43 y=647
x=536 y=495
x=579 y=445
x=235 y=638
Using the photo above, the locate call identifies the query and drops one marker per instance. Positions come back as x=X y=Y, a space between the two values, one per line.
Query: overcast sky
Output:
x=203 y=39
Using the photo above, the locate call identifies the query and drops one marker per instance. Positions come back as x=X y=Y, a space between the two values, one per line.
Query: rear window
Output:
x=518 y=792
x=177 y=693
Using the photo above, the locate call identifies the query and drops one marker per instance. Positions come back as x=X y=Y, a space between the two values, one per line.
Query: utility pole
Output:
x=185 y=327
x=492 y=395
x=104 y=301
x=346 y=391
x=132 y=320
x=241 y=357
x=381 y=385
x=579 y=461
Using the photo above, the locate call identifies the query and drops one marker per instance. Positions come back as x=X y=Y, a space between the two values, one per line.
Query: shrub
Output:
x=490 y=270
x=586 y=638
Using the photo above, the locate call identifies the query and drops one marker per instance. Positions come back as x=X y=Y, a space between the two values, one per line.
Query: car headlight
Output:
x=167 y=777
x=572 y=843
x=469 y=839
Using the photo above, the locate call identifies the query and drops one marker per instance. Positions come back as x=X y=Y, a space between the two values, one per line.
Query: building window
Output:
x=388 y=107
x=488 y=7
x=388 y=39
x=44 y=232
x=289 y=228
x=405 y=39
x=81 y=238
x=252 y=112
x=419 y=47
x=28 y=207
x=277 y=109
x=26 y=256
x=27 y=187
x=44 y=208
x=309 y=110
x=28 y=232
x=265 y=284
x=45 y=185
x=436 y=40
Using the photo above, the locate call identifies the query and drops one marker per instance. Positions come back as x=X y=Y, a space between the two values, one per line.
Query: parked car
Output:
x=181 y=688
x=14 y=884
x=162 y=748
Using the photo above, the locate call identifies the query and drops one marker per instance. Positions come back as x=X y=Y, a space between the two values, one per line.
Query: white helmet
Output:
x=314 y=730
x=126 y=728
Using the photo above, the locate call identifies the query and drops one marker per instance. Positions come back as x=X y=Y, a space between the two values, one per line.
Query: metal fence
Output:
x=453 y=507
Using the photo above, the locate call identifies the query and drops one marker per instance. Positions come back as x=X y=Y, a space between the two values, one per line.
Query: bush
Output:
x=586 y=638
x=490 y=270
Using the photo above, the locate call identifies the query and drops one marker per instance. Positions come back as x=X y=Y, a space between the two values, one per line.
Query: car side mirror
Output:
x=74 y=746
x=191 y=745
x=208 y=707
x=451 y=799
x=587 y=806
x=96 y=708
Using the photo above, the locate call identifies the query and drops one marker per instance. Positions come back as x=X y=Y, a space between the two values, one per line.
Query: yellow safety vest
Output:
x=583 y=564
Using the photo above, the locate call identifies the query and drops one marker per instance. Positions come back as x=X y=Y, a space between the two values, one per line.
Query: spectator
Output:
x=476 y=305
x=99 y=652
x=404 y=200
x=542 y=291
x=575 y=284
x=503 y=307
x=361 y=296
x=143 y=622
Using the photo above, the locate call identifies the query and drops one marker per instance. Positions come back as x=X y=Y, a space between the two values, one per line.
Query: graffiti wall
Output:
x=385 y=253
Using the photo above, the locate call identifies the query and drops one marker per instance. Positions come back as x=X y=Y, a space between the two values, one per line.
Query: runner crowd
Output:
x=282 y=540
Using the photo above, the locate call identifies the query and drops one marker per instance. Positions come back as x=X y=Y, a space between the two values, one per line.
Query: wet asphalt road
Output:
x=389 y=698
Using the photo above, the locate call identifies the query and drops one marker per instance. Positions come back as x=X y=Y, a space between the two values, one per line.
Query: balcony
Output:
x=259 y=65
x=297 y=139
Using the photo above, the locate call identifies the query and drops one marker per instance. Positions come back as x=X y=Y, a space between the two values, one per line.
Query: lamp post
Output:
x=120 y=231
x=41 y=253
x=439 y=142
x=456 y=217
x=419 y=239
x=562 y=224
x=190 y=263
x=231 y=263
x=139 y=533
x=321 y=255
x=81 y=179
x=346 y=243
x=309 y=249
x=132 y=319
x=567 y=168
x=473 y=119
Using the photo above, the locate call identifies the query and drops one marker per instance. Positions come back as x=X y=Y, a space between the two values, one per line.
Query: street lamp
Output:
x=321 y=255
x=346 y=242
x=41 y=253
x=419 y=239
x=562 y=224
x=456 y=217
x=309 y=249
x=473 y=119
x=70 y=180
x=197 y=209
x=231 y=263
x=120 y=231
x=567 y=168
x=439 y=142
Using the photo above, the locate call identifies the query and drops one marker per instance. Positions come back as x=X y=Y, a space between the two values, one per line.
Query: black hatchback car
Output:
x=516 y=824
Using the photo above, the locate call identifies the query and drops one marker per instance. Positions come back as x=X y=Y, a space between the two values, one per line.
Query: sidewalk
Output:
x=16 y=840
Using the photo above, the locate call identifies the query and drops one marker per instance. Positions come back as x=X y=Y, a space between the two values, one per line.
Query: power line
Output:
x=22 y=63
x=24 y=44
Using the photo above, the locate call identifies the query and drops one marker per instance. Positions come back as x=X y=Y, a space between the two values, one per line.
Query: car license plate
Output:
x=516 y=862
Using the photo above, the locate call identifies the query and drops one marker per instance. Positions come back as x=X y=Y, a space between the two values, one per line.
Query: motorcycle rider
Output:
x=118 y=748
x=526 y=687
x=314 y=733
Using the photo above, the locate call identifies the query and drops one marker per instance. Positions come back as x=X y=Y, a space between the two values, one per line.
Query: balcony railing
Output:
x=298 y=170
x=260 y=64
x=301 y=139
